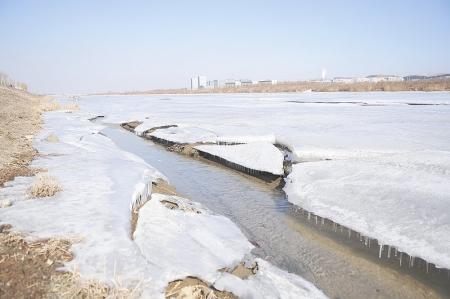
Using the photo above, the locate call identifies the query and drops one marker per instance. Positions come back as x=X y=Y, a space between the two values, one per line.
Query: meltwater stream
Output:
x=272 y=224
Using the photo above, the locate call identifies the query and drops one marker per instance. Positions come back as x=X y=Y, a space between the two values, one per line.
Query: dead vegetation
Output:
x=52 y=138
x=30 y=270
x=194 y=288
x=161 y=186
x=55 y=106
x=27 y=267
x=20 y=119
x=69 y=285
x=45 y=185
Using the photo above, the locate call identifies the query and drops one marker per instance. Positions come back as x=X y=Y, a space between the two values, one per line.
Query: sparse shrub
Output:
x=54 y=106
x=45 y=185
x=52 y=138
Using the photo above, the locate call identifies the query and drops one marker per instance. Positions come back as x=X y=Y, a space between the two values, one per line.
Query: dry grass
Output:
x=55 y=106
x=20 y=119
x=29 y=270
x=194 y=288
x=52 y=138
x=70 y=285
x=45 y=185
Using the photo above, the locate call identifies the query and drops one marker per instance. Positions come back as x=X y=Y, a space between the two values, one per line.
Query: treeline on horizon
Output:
x=302 y=86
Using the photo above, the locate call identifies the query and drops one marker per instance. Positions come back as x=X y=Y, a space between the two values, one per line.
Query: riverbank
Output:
x=30 y=268
x=20 y=120
x=305 y=86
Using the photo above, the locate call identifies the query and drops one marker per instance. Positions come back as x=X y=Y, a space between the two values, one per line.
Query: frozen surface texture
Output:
x=260 y=156
x=185 y=135
x=388 y=176
x=185 y=239
x=101 y=183
x=403 y=200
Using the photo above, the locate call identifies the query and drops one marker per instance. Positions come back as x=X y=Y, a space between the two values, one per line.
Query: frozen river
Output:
x=338 y=267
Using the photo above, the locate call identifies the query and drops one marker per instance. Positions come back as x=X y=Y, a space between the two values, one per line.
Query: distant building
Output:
x=384 y=78
x=201 y=82
x=415 y=78
x=232 y=83
x=361 y=79
x=440 y=76
x=194 y=83
x=246 y=82
x=198 y=82
x=268 y=82
x=343 y=80
x=213 y=84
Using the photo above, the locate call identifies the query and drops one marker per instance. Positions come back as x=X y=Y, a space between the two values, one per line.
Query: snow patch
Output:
x=260 y=156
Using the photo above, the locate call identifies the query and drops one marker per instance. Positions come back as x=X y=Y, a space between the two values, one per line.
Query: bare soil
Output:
x=27 y=268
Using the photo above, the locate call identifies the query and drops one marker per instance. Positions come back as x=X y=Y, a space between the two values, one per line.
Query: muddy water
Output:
x=275 y=227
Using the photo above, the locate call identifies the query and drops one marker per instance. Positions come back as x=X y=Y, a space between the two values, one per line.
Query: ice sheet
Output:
x=100 y=184
x=402 y=200
x=257 y=155
x=185 y=134
x=360 y=132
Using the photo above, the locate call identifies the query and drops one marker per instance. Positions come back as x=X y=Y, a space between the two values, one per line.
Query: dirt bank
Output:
x=20 y=119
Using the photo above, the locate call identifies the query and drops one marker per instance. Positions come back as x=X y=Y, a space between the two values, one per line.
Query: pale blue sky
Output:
x=85 y=46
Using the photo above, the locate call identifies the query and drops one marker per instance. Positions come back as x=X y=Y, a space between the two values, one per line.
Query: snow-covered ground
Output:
x=389 y=176
x=100 y=183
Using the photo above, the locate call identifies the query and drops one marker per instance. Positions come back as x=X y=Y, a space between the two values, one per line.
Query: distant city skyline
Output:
x=84 y=46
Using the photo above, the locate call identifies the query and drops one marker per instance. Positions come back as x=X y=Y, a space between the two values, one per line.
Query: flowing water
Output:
x=280 y=234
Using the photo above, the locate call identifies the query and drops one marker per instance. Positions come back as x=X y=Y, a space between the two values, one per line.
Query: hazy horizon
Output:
x=109 y=45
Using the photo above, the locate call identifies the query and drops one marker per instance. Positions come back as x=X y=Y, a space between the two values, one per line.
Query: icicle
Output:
x=426 y=265
x=389 y=252
x=349 y=233
x=366 y=241
x=369 y=242
x=410 y=258
x=395 y=251
x=381 y=251
x=323 y=221
x=401 y=255
x=309 y=216
x=342 y=229
x=316 y=219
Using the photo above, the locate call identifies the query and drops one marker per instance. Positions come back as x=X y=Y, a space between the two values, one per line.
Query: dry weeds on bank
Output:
x=20 y=119
x=29 y=269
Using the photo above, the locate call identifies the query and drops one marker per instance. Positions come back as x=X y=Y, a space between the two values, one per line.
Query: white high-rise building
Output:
x=198 y=82
x=194 y=83
x=201 y=81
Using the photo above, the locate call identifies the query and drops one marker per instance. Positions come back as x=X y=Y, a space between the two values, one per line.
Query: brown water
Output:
x=334 y=264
